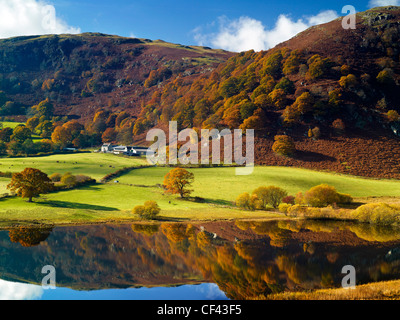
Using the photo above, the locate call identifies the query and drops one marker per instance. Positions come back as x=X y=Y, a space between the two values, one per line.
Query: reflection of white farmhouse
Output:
x=125 y=150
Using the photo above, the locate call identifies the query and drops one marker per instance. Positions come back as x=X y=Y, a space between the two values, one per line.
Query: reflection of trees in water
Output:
x=269 y=258
x=276 y=262
x=28 y=236
x=146 y=229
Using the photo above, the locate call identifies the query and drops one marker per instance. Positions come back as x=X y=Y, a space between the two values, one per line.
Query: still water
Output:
x=210 y=261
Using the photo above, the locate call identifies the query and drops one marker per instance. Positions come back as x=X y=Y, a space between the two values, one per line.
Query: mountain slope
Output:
x=82 y=73
x=335 y=92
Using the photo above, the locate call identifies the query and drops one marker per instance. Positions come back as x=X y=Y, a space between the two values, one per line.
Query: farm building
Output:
x=125 y=150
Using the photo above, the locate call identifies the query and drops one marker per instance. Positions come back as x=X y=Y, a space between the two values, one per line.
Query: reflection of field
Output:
x=385 y=290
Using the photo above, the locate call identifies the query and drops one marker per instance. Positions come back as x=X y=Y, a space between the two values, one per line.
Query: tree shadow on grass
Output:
x=74 y=205
x=170 y=219
x=218 y=202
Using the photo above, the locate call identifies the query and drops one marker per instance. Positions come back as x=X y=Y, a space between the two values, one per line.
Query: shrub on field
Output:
x=149 y=210
x=378 y=213
x=270 y=196
x=82 y=179
x=325 y=195
x=284 y=145
x=246 y=201
x=299 y=199
x=289 y=200
x=284 y=208
x=55 y=177
x=68 y=180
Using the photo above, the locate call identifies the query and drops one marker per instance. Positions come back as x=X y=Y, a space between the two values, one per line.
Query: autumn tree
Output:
x=246 y=201
x=149 y=210
x=278 y=98
x=324 y=195
x=314 y=134
x=256 y=121
x=386 y=77
x=62 y=136
x=284 y=145
x=109 y=135
x=30 y=183
x=318 y=67
x=292 y=63
x=270 y=196
x=177 y=181
x=5 y=134
x=286 y=85
x=273 y=65
x=349 y=81
x=393 y=116
x=74 y=127
x=21 y=133
x=304 y=102
x=32 y=123
x=44 y=108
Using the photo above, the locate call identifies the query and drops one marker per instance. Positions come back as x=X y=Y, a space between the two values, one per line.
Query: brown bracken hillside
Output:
x=335 y=92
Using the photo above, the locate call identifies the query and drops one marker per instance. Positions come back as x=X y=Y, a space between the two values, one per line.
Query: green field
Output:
x=9 y=124
x=95 y=165
x=222 y=183
x=114 y=201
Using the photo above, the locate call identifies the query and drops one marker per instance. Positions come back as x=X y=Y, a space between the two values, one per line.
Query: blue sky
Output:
x=231 y=24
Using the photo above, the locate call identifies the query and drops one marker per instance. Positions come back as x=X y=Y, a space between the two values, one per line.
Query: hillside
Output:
x=335 y=92
x=83 y=73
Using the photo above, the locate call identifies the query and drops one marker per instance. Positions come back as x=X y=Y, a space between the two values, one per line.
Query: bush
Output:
x=345 y=198
x=314 y=134
x=284 y=208
x=55 y=177
x=393 y=116
x=386 y=77
x=378 y=213
x=289 y=200
x=325 y=195
x=339 y=126
x=348 y=81
x=247 y=202
x=149 y=210
x=284 y=145
x=68 y=180
x=318 y=67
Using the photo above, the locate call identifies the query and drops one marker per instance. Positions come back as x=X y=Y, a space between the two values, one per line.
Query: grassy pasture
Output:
x=114 y=201
x=223 y=184
x=95 y=165
x=9 y=124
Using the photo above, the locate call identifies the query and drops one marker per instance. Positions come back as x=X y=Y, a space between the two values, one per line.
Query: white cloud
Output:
x=30 y=17
x=211 y=291
x=383 y=3
x=247 y=33
x=19 y=291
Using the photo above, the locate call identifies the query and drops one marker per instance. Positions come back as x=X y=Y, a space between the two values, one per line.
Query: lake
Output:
x=176 y=261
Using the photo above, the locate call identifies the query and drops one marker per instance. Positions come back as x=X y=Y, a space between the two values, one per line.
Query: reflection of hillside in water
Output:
x=246 y=259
